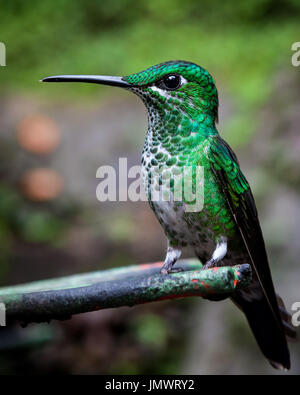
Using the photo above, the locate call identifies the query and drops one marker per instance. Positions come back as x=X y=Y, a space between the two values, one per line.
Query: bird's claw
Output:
x=171 y=270
x=208 y=265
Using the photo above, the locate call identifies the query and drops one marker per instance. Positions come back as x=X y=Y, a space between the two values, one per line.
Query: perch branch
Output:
x=62 y=297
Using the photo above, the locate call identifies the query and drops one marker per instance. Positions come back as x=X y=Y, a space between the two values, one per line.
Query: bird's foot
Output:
x=218 y=254
x=171 y=270
x=209 y=264
x=173 y=254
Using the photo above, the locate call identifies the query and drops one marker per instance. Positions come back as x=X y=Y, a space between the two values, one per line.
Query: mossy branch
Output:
x=128 y=286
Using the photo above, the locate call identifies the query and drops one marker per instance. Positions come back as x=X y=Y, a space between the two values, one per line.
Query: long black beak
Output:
x=95 y=79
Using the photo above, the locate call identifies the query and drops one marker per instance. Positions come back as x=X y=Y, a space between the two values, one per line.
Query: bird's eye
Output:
x=171 y=82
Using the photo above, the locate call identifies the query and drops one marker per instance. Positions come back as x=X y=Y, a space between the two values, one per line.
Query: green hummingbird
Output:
x=182 y=105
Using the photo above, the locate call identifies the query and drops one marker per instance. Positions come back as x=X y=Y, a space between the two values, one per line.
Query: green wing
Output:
x=236 y=189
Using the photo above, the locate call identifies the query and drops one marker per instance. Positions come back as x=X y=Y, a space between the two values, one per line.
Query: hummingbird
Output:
x=182 y=103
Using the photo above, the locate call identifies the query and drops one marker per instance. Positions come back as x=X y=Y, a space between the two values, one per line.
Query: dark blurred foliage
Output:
x=247 y=47
x=134 y=341
x=22 y=222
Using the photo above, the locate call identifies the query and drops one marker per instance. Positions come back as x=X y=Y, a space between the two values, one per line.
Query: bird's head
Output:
x=177 y=87
x=170 y=90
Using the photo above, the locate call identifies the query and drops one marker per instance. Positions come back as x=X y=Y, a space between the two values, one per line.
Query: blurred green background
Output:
x=54 y=137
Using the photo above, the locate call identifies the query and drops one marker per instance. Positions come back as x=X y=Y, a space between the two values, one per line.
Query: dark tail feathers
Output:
x=268 y=334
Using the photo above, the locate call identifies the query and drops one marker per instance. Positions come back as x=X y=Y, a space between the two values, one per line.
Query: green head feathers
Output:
x=185 y=86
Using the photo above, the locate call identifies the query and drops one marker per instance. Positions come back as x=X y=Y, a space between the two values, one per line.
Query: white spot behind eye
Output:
x=182 y=80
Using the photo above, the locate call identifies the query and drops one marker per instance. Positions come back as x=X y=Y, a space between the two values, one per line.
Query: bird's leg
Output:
x=173 y=254
x=218 y=254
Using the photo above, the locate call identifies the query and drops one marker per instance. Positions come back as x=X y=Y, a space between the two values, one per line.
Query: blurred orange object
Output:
x=38 y=134
x=41 y=184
